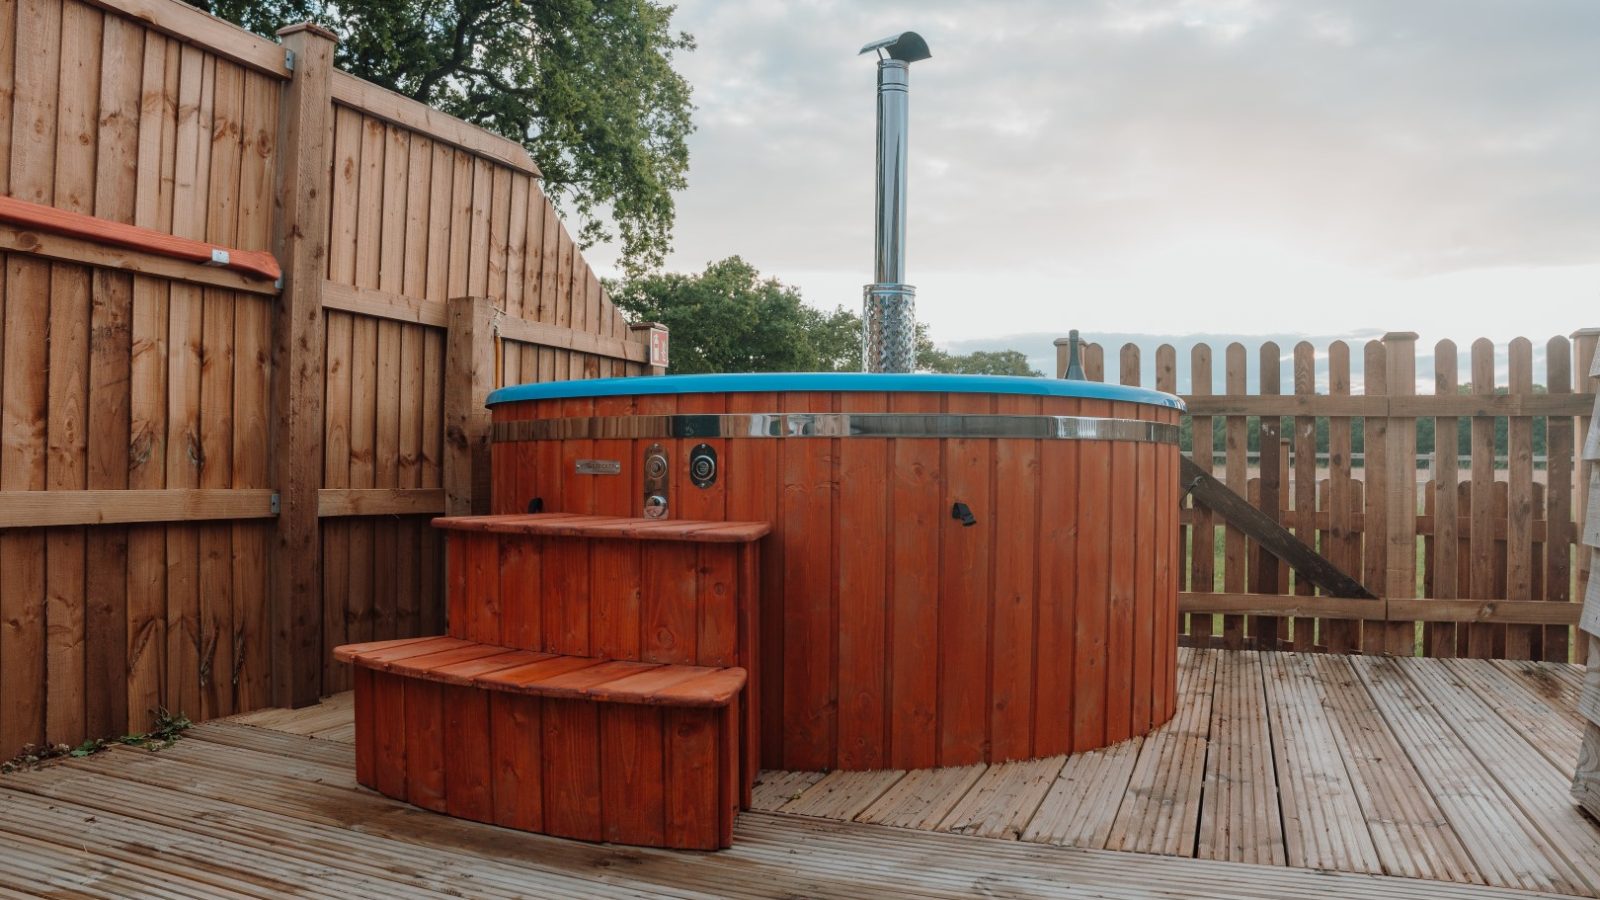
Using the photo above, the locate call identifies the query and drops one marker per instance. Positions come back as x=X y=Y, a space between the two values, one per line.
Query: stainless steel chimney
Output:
x=888 y=316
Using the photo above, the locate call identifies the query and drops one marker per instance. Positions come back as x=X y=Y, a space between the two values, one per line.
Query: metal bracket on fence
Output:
x=275 y=506
x=288 y=60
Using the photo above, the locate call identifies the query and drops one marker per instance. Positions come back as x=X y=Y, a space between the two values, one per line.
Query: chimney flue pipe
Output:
x=888 y=319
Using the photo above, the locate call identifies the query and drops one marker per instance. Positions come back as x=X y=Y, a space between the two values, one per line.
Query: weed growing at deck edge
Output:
x=168 y=729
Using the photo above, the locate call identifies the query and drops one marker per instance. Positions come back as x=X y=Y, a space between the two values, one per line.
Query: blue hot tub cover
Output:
x=778 y=382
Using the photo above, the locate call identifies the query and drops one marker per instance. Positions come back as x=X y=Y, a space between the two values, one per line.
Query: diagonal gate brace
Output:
x=1272 y=537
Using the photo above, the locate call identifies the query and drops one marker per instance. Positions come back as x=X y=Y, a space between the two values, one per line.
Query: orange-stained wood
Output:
x=918 y=511
x=256 y=263
x=889 y=636
x=514 y=729
x=864 y=593
x=1012 y=663
x=425 y=727
x=808 y=619
x=633 y=759
x=572 y=770
x=468 y=772
x=965 y=590
x=1093 y=586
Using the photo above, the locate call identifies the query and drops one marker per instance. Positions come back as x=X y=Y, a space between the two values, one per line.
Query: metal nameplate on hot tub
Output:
x=598 y=467
x=841 y=425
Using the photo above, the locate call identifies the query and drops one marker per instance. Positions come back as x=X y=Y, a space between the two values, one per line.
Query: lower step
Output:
x=596 y=771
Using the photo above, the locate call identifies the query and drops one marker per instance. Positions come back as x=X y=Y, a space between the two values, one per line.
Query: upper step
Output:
x=612 y=527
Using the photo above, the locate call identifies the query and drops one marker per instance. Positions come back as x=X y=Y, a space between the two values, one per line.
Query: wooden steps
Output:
x=592 y=683
x=461 y=663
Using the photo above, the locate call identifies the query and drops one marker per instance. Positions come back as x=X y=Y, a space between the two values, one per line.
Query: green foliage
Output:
x=978 y=362
x=731 y=319
x=168 y=728
x=586 y=85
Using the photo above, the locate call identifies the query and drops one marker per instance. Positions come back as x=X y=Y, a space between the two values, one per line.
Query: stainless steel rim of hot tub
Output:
x=837 y=425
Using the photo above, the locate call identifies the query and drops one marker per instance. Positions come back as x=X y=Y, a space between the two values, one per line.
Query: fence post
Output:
x=301 y=242
x=468 y=378
x=1400 y=577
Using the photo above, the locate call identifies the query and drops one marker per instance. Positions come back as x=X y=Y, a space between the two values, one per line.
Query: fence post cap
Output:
x=1586 y=332
x=1400 y=336
x=312 y=27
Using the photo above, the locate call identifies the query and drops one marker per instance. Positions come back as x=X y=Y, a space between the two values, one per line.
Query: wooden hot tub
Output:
x=894 y=634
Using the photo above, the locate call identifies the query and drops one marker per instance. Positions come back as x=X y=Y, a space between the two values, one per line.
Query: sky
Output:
x=1165 y=167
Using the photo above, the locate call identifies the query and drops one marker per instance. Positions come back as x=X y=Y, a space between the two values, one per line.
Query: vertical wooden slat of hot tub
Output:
x=1093 y=585
x=1016 y=571
x=1055 y=653
x=863 y=590
x=1149 y=618
x=577 y=491
x=614 y=494
x=809 y=677
x=916 y=506
x=751 y=470
x=655 y=405
x=503 y=473
x=512 y=464
x=965 y=592
x=1122 y=516
x=709 y=503
x=543 y=458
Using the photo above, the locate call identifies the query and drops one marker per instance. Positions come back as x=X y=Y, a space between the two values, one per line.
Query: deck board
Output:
x=1428 y=769
x=1324 y=827
x=1507 y=849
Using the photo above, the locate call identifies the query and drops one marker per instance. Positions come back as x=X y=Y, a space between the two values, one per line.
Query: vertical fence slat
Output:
x=1341 y=635
x=1375 y=481
x=1519 y=523
x=1440 y=637
x=111 y=299
x=1481 y=639
x=1167 y=380
x=68 y=402
x=1400 y=575
x=23 y=412
x=147 y=576
x=1203 y=534
x=1265 y=578
x=1235 y=551
x=1305 y=483
x=1559 y=448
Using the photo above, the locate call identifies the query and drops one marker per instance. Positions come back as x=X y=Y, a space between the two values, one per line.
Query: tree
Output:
x=978 y=362
x=586 y=85
x=731 y=319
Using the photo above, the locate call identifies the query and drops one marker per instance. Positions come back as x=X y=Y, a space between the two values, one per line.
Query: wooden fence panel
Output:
x=1351 y=481
x=123 y=372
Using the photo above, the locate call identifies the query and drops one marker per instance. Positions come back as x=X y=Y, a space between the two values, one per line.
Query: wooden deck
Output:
x=1283 y=775
x=1448 y=770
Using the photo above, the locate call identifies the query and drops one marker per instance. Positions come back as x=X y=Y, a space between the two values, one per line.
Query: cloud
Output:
x=1081 y=146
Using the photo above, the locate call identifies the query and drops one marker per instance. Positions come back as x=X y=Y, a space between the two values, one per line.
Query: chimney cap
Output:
x=907 y=46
